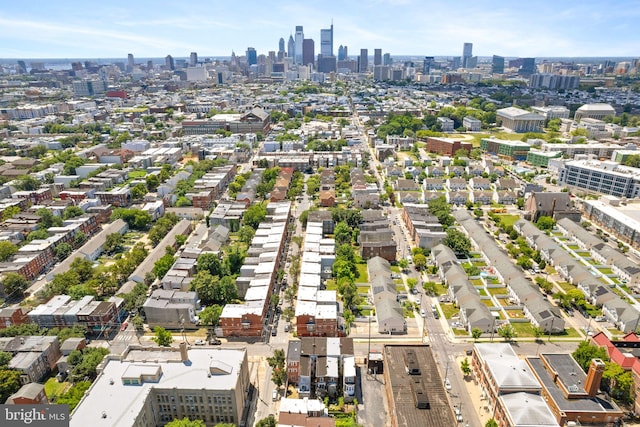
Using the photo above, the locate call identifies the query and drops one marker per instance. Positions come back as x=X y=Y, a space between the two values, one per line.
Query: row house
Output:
x=10 y=316
x=322 y=367
x=34 y=356
x=120 y=197
x=60 y=311
x=482 y=197
x=36 y=197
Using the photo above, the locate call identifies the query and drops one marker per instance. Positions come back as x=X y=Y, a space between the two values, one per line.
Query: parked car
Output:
x=124 y=326
x=274 y=395
x=274 y=332
x=286 y=327
x=447 y=384
x=215 y=341
x=423 y=313
x=199 y=342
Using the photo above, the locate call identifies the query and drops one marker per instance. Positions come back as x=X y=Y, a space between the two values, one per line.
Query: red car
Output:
x=124 y=326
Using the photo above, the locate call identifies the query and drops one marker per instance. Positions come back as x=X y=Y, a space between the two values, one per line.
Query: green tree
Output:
x=7 y=250
x=212 y=263
x=185 y=422
x=458 y=242
x=524 y=261
x=464 y=366
x=83 y=268
x=254 y=215
x=38 y=234
x=79 y=239
x=138 y=322
x=403 y=264
x=420 y=261
x=491 y=423
x=5 y=358
x=28 y=183
x=163 y=265
x=72 y=212
x=48 y=219
x=278 y=373
x=545 y=223
x=210 y=316
x=163 y=337
x=138 y=191
x=476 y=333
x=74 y=394
x=9 y=383
x=14 y=284
x=269 y=421
x=342 y=233
x=63 y=250
x=618 y=381
x=113 y=243
x=586 y=351
x=245 y=234
x=183 y=201
x=507 y=332
x=10 y=212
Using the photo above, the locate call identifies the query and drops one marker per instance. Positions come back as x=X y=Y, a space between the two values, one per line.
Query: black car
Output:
x=274 y=332
x=215 y=341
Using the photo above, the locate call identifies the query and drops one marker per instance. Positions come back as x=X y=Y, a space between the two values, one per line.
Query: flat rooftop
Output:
x=399 y=388
x=122 y=403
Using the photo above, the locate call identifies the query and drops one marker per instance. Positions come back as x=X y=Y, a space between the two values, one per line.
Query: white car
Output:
x=200 y=342
x=447 y=384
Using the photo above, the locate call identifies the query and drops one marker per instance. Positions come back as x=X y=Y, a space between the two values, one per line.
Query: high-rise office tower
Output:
x=342 y=53
x=326 y=41
x=386 y=59
x=299 y=40
x=149 y=65
x=497 y=64
x=22 y=67
x=252 y=56
x=281 y=45
x=193 y=59
x=130 y=62
x=428 y=64
x=363 y=61
x=528 y=66
x=169 y=63
x=308 y=52
x=291 y=47
x=467 y=53
x=377 y=57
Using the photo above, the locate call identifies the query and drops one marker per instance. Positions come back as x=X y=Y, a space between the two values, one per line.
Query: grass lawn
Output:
x=498 y=291
x=569 y=332
x=460 y=332
x=473 y=255
x=476 y=282
x=482 y=292
x=604 y=280
x=583 y=254
x=363 y=275
x=506 y=220
x=439 y=289
x=136 y=174
x=478 y=262
x=494 y=281
x=605 y=270
x=395 y=269
x=466 y=265
x=400 y=287
x=515 y=314
x=398 y=281
x=574 y=247
x=566 y=286
x=449 y=310
x=331 y=285
x=54 y=389
x=504 y=302
x=488 y=302
x=523 y=330
x=363 y=289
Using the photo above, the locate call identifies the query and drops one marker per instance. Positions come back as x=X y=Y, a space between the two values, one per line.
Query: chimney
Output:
x=184 y=356
x=592 y=383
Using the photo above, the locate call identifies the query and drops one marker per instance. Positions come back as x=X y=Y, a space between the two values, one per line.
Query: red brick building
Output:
x=13 y=316
x=446 y=146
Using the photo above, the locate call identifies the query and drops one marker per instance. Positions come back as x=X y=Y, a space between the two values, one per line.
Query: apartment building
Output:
x=603 y=177
x=152 y=386
x=512 y=150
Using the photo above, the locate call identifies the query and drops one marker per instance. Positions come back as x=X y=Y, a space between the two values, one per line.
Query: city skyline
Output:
x=66 y=29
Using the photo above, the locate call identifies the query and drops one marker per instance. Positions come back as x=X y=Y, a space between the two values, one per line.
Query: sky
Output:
x=114 y=28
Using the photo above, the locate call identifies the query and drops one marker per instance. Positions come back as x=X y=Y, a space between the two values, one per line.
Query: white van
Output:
x=274 y=395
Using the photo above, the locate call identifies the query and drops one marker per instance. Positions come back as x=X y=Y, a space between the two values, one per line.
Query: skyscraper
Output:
x=326 y=41
x=291 y=47
x=252 y=56
x=342 y=53
x=363 y=61
x=497 y=64
x=467 y=53
x=377 y=57
x=308 y=52
x=299 y=41
x=428 y=64
x=130 y=62
x=281 y=45
x=169 y=63
x=386 y=59
x=193 y=59
x=528 y=67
